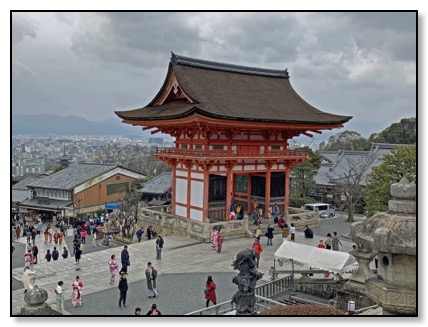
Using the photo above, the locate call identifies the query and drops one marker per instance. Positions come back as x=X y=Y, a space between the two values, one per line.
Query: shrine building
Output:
x=231 y=126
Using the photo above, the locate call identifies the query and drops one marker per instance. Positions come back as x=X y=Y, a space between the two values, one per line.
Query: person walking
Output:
x=219 y=242
x=94 y=240
x=149 y=232
x=123 y=289
x=124 y=258
x=78 y=253
x=209 y=291
x=159 y=246
x=154 y=311
x=151 y=276
x=18 y=232
x=292 y=232
x=55 y=254
x=46 y=235
x=269 y=234
x=28 y=258
x=328 y=242
x=335 y=241
x=33 y=235
x=137 y=312
x=213 y=238
x=35 y=251
x=257 y=247
x=275 y=212
x=60 y=237
x=285 y=232
x=258 y=232
x=65 y=253
x=76 y=297
x=139 y=234
x=28 y=234
x=48 y=255
x=83 y=235
x=59 y=296
x=113 y=266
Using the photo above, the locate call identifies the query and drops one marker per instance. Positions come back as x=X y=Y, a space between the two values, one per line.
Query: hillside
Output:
x=47 y=124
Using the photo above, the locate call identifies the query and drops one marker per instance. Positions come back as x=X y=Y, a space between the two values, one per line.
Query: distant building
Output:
x=336 y=163
x=156 y=140
x=158 y=190
x=79 y=189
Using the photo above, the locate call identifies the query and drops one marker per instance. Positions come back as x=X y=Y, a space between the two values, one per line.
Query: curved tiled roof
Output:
x=233 y=92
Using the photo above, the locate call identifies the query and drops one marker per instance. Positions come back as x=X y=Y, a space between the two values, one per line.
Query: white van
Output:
x=326 y=210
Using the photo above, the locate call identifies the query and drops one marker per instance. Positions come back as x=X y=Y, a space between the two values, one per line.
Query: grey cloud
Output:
x=137 y=39
x=22 y=27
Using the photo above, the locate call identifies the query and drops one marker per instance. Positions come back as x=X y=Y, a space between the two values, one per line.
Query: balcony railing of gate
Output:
x=228 y=153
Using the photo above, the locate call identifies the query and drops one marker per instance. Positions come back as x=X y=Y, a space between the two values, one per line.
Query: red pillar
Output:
x=249 y=203
x=267 y=193
x=228 y=192
x=174 y=188
x=287 y=188
x=206 y=189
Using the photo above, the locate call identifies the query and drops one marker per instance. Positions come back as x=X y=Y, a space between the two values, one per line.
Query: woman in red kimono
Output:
x=219 y=242
x=210 y=291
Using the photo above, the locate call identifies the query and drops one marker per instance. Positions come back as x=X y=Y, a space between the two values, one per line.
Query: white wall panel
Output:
x=196 y=214
x=197 y=194
x=181 y=190
x=197 y=175
x=250 y=167
x=181 y=173
x=180 y=211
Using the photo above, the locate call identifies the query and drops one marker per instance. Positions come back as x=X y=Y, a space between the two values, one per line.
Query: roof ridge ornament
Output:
x=206 y=64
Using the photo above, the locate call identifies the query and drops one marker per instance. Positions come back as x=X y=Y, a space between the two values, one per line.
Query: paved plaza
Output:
x=183 y=270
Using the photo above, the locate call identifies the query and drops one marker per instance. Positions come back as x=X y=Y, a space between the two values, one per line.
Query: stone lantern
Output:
x=393 y=235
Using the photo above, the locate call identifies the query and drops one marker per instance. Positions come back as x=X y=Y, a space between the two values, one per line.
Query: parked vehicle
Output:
x=325 y=210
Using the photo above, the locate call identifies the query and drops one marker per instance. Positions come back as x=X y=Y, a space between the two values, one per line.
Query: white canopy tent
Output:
x=311 y=256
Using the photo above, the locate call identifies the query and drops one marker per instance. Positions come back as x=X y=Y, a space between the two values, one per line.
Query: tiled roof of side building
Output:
x=70 y=177
x=158 y=185
x=233 y=92
x=22 y=184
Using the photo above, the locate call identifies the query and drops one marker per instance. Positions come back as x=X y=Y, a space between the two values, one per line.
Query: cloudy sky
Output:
x=90 y=64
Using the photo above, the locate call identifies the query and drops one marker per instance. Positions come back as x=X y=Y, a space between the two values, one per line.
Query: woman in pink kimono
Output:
x=76 y=296
x=113 y=266
x=213 y=237
x=219 y=242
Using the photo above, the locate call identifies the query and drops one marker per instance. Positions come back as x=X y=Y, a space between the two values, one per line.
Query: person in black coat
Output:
x=123 y=288
x=124 y=257
x=269 y=234
x=309 y=233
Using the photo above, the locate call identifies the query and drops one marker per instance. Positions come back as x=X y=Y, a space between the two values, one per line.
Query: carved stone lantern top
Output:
x=393 y=231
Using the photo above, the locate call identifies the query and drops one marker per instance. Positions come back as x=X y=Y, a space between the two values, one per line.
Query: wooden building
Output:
x=231 y=124
x=78 y=189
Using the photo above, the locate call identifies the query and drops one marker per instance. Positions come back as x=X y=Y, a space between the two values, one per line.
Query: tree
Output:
x=349 y=182
x=400 y=163
x=347 y=140
x=403 y=132
x=303 y=174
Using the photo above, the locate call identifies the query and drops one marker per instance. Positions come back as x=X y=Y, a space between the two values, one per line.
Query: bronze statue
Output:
x=246 y=280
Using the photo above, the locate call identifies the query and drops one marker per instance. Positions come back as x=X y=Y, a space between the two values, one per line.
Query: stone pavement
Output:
x=180 y=255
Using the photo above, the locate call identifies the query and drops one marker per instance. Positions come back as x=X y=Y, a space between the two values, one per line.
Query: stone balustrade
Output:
x=168 y=224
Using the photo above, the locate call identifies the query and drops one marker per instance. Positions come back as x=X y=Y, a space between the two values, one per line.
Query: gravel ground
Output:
x=178 y=294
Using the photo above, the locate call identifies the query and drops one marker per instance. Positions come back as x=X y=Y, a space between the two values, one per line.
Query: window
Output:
x=218 y=147
x=183 y=146
x=276 y=147
x=117 y=177
x=198 y=146
x=241 y=183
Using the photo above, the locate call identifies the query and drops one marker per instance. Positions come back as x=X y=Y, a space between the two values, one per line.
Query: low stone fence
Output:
x=167 y=224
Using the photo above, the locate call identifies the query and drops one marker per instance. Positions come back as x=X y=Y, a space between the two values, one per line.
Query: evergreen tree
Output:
x=401 y=163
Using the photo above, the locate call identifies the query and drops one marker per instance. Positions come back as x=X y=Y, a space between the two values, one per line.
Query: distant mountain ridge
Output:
x=48 y=124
